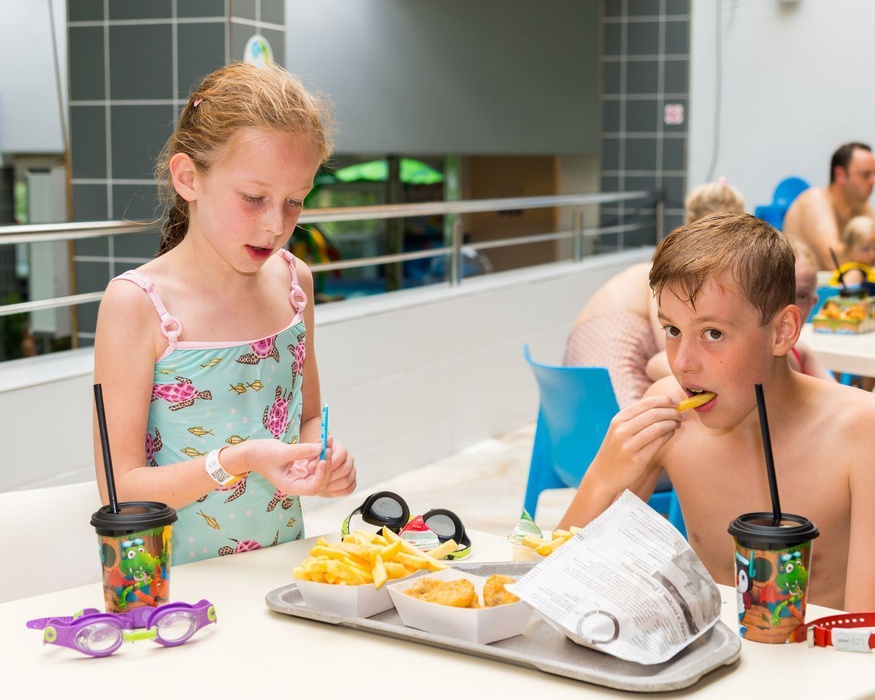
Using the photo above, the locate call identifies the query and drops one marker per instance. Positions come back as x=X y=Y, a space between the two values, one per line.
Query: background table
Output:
x=254 y=652
x=854 y=354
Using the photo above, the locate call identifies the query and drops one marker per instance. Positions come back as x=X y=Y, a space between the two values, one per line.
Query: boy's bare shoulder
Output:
x=832 y=417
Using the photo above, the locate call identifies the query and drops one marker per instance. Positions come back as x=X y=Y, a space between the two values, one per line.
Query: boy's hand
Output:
x=635 y=436
x=626 y=457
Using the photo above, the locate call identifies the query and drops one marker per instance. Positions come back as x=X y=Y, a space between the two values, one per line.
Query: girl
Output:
x=205 y=353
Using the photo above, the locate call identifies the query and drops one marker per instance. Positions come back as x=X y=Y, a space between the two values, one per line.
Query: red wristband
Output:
x=837 y=631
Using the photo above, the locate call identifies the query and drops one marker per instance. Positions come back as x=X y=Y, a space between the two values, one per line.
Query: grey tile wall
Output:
x=132 y=64
x=645 y=66
x=7 y=195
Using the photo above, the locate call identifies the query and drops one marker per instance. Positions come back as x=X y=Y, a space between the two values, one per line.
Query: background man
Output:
x=818 y=215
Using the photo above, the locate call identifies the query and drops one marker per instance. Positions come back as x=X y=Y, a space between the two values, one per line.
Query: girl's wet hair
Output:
x=755 y=254
x=238 y=96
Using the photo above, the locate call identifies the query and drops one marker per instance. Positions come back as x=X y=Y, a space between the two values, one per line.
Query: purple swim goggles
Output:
x=101 y=634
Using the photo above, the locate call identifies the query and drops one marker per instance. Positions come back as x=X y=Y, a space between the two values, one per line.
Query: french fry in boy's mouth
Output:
x=696 y=400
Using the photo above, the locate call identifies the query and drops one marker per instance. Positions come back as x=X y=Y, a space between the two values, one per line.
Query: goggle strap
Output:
x=344 y=530
x=140 y=634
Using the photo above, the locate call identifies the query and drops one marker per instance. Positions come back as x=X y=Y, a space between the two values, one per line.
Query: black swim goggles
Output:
x=387 y=509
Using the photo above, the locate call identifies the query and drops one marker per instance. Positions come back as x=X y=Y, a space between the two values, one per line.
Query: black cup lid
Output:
x=758 y=527
x=133 y=516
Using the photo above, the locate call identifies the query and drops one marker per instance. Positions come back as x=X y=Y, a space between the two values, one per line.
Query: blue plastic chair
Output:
x=576 y=408
x=785 y=192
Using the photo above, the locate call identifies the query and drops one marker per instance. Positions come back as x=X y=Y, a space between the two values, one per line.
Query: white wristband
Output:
x=215 y=470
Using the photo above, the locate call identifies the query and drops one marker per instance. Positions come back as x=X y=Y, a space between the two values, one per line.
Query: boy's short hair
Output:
x=756 y=254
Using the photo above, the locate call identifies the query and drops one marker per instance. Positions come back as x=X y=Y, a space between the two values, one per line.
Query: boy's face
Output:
x=718 y=346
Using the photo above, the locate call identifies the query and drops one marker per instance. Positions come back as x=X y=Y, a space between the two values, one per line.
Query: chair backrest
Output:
x=48 y=541
x=787 y=190
x=576 y=408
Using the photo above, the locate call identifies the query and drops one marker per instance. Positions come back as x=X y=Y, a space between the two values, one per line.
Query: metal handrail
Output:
x=41 y=233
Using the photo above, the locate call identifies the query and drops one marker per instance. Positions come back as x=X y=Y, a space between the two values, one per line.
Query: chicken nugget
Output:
x=457 y=594
x=494 y=592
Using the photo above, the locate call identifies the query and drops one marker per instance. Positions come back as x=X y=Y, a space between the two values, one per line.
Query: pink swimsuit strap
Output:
x=171 y=327
x=798 y=359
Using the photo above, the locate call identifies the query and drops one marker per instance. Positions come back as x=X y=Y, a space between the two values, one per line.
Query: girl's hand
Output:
x=342 y=474
x=294 y=469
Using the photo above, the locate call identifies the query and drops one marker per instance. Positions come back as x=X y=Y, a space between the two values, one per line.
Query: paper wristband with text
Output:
x=217 y=472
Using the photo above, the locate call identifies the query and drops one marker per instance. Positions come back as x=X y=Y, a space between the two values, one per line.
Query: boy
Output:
x=725 y=288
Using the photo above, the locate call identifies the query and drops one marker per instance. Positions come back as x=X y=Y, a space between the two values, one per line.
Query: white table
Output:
x=254 y=652
x=854 y=354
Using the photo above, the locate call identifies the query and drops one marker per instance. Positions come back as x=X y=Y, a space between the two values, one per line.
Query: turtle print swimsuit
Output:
x=207 y=395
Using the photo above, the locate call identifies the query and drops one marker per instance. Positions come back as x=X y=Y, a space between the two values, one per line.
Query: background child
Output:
x=801 y=358
x=858 y=257
x=725 y=288
x=205 y=353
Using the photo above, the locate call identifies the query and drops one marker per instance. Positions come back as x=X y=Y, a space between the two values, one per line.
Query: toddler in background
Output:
x=858 y=240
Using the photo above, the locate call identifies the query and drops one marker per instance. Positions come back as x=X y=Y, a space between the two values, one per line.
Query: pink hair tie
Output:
x=197 y=101
x=720 y=180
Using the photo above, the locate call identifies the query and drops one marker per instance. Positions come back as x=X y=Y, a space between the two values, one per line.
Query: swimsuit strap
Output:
x=171 y=327
x=297 y=296
x=798 y=359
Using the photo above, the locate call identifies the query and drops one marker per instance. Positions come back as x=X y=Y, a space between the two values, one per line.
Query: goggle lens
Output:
x=99 y=639
x=442 y=525
x=176 y=628
x=387 y=508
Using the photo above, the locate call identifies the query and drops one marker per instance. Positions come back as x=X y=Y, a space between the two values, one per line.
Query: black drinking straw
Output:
x=770 y=460
x=104 y=442
x=841 y=276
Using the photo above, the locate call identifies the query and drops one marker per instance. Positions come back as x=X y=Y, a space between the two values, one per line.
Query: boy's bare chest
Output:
x=719 y=479
x=732 y=471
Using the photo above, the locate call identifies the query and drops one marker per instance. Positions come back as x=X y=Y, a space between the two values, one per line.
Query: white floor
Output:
x=484 y=485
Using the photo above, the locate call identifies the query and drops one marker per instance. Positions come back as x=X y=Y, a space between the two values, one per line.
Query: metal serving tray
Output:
x=541 y=646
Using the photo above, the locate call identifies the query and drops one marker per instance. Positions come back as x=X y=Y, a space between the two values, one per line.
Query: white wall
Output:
x=796 y=85
x=30 y=120
x=420 y=77
x=410 y=376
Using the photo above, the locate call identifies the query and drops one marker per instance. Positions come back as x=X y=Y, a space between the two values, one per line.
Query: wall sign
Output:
x=257 y=51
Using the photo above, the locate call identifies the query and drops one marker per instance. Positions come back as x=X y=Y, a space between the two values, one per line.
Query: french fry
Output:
x=695 y=400
x=546 y=547
x=442 y=550
x=380 y=575
x=366 y=558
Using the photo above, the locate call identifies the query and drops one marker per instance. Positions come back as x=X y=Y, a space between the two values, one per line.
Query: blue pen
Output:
x=324 y=430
